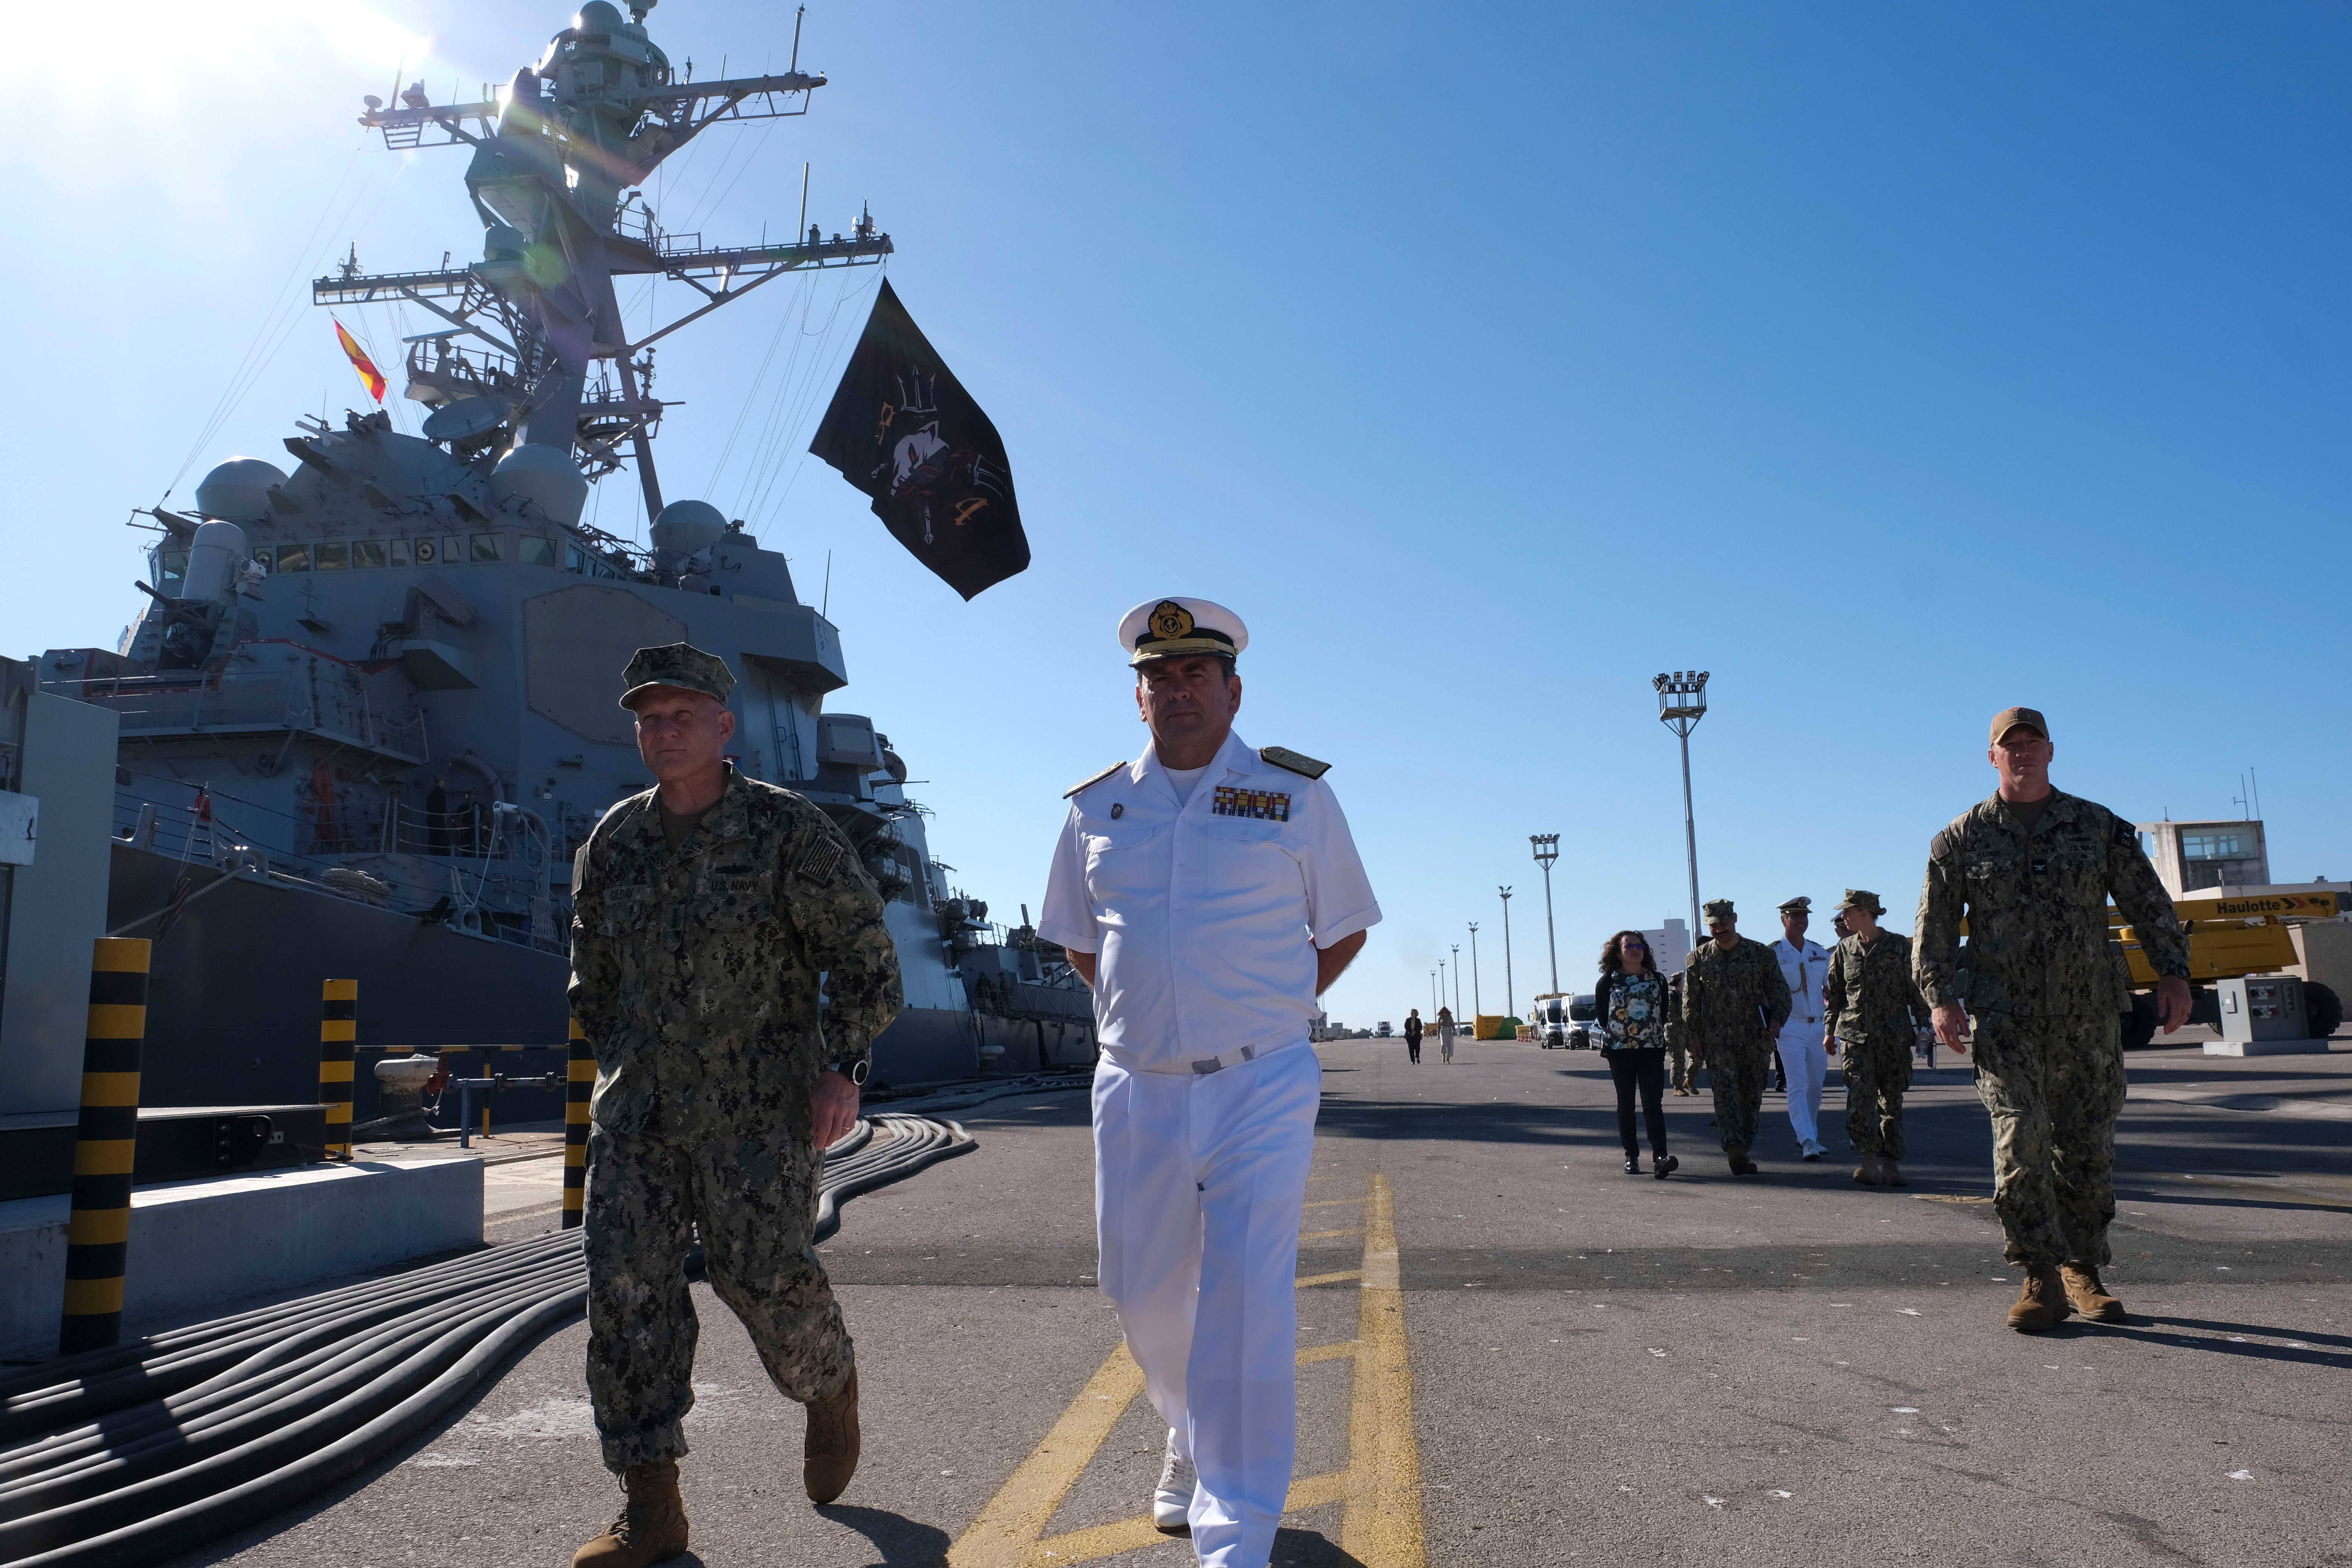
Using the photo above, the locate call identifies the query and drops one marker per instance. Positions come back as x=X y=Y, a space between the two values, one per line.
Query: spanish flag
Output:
x=368 y=374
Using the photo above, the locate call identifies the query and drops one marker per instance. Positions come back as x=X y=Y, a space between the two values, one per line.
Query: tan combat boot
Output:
x=829 y=1456
x=1890 y=1174
x=651 y=1526
x=1867 y=1172
x=2041 y=1305
x=1741 y=1165
x=2089 y=1297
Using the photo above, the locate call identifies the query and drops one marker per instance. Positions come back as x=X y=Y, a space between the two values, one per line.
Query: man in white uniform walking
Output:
x=1209 y=892
x=1805 y=1056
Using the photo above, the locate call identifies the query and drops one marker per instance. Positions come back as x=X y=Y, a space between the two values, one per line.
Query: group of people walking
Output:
x=1414 y=1029
x=2028 y=874
x=1813 y=1003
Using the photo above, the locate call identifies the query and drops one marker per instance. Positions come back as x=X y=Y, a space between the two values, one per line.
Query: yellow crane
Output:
x=2228 y=938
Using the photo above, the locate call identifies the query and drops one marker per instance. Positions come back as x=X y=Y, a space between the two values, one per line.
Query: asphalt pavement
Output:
x=1513 y=1354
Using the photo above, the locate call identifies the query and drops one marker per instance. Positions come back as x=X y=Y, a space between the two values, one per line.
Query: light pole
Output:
x=1478 y=1001
x=1546 y=845
x=1682 y=703
x=1441 y=983
x=1510 y=987
x=1432 y=995
x=1457 y=980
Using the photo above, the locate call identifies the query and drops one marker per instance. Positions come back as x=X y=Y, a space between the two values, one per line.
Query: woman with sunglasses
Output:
x=1631 y=1003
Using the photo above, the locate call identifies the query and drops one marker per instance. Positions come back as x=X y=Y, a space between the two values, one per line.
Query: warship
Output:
x=368 y=707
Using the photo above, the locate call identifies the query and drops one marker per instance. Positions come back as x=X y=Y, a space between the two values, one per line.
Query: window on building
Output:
x=2211 y=846
x=171 y=569
x=332 y=555
x=366 y=552
x=490 y=547
x=574 y=559
x=293 y=558
x=453 y=549
x=397 y=552
x=533 y=549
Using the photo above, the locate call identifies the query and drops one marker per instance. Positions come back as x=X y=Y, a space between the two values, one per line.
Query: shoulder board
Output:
x=1283 y=757
x=1097 y=778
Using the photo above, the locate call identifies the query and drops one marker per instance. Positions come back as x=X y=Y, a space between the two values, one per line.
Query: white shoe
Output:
x=1171 y=1501
x=1813 y=1151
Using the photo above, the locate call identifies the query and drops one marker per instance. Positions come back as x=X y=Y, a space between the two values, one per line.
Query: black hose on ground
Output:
x=132 y=1454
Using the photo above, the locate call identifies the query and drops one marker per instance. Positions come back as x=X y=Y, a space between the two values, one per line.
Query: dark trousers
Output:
x=1644 y=1070
x=1412 y=1046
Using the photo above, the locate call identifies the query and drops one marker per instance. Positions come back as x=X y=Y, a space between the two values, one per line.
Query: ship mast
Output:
x=561 y=159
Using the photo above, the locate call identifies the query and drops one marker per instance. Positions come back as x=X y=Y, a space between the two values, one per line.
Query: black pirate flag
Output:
x=903 y=429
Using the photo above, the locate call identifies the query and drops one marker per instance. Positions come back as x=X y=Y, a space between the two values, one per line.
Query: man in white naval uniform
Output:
x=1209 y=892
x=1804 y=1053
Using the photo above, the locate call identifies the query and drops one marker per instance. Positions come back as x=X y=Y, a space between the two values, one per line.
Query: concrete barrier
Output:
x=195 y=1245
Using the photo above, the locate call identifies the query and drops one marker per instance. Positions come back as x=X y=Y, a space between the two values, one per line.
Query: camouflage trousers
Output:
x=2054 y=1087
x=1735 y=1075
x=1678 y=1062
x=1876 y=1078
x=752 y=1199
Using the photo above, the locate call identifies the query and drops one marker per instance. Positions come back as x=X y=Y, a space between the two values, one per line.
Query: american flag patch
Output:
x=1266 y=805
x=822 y=864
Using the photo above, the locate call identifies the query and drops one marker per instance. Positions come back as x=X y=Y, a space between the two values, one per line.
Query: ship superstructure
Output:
x=369 y=706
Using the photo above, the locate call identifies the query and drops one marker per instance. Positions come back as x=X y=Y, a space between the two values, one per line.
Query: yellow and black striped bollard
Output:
x=580 y=1083
x=339 y=1015
x=97 y=1237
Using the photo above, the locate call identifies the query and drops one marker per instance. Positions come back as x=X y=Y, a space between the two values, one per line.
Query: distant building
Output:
x=2193 y=856
x=1669 y=945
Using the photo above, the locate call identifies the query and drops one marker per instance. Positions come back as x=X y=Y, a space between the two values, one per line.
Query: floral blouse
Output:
x=1637 y=1014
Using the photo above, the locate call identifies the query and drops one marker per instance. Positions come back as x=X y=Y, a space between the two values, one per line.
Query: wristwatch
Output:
x=855 y=1072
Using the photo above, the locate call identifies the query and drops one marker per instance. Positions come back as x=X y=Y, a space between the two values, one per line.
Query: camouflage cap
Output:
x=1800 y=905
x=1719 y=909
x=681 y=665
x=1861 y=898
x=2009 y=718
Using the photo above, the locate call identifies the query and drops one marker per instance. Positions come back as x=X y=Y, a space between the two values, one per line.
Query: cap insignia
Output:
x=1171 y=619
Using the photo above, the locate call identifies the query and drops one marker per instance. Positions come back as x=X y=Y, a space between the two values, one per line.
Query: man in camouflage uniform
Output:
x=705 y=910
x=1677 y=1042
x=1873 y=1008
x=1735 y=1000
x=2031 y=871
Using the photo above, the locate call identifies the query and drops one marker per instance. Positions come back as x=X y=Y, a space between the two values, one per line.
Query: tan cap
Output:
x=2009 y=718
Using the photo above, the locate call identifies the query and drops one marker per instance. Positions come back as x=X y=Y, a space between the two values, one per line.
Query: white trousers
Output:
x=1199 y=1183
x=1807 y=1062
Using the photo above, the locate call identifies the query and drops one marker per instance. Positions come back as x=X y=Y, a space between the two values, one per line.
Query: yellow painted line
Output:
x=1331 y=1202
x=1306 y=1281
x=1345 y=1349
x=1382 y=1527
x=1005 y=1534
x=1134 y=1534
x=1326 y=1235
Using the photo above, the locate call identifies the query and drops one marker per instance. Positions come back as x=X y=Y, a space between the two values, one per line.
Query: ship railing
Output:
x=262 y=704
x=202 y=826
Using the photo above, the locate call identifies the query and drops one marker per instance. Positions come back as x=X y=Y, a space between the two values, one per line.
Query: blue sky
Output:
x=1893 y=362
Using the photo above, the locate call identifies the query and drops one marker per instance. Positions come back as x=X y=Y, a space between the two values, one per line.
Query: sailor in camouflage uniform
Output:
x=1735 y=1000
x=2031 y=871
x=1874 y=1009
x=1677 y=1046
x=706 y=911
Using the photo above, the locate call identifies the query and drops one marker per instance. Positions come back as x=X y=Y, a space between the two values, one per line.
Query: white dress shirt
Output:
x=1805 y=968
x=1205 y=915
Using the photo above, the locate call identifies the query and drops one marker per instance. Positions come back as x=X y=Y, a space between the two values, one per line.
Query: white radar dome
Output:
x=686 y=526
x=238 y=491
x=543 y=476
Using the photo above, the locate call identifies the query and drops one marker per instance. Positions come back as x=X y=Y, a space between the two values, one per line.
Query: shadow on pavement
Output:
x=902 y=1541
x=2153 y=1333
x=1308 y=1549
